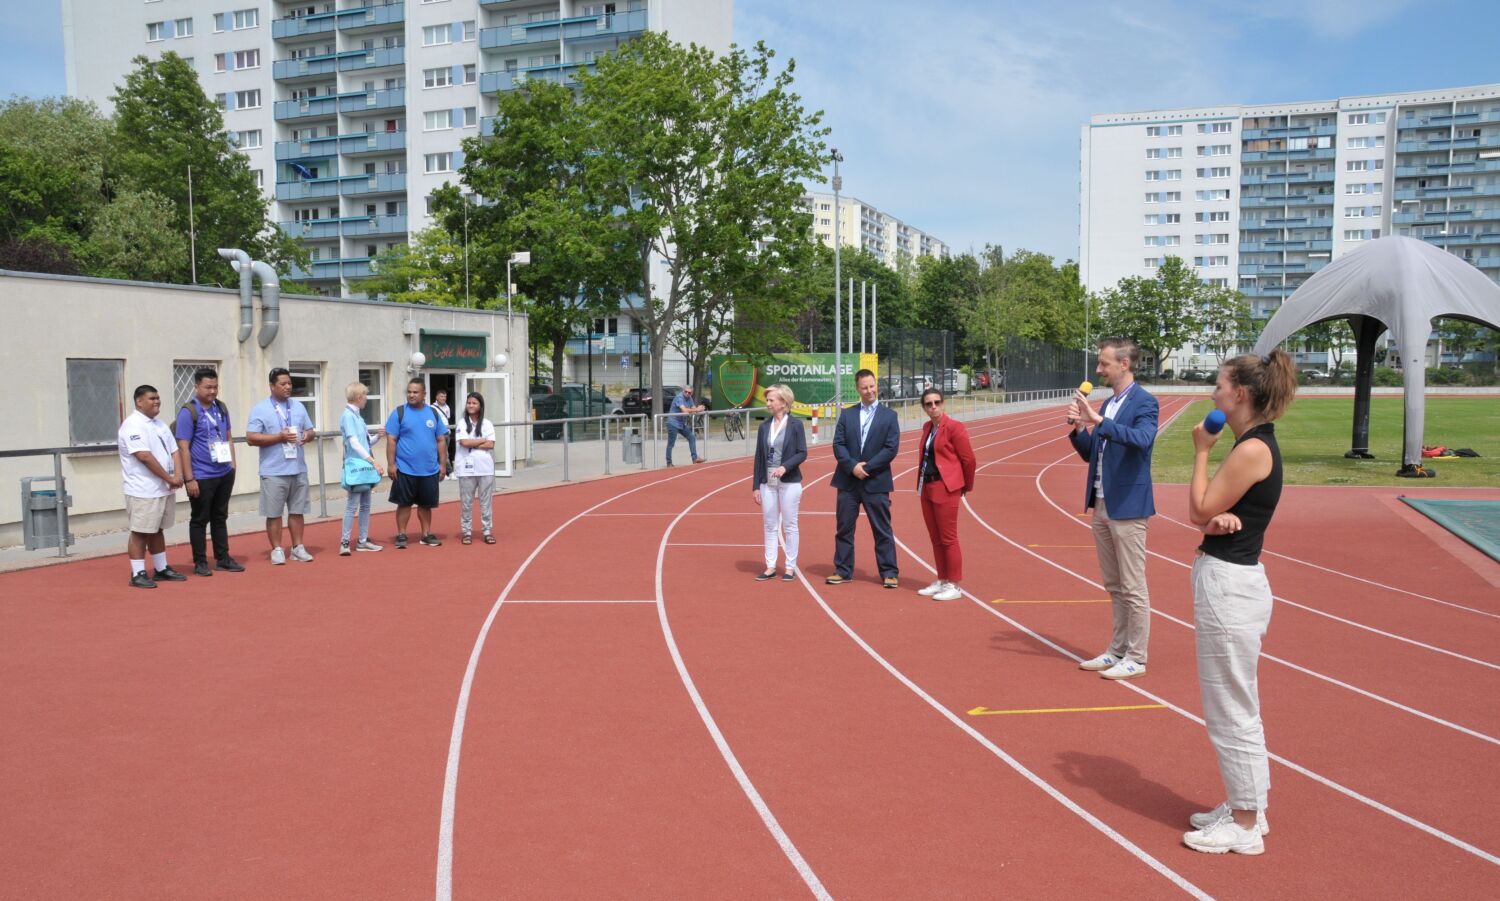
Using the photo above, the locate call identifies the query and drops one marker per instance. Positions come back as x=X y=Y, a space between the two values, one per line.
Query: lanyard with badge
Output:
x=166 y=449
x=288 y=451
x=218 y=445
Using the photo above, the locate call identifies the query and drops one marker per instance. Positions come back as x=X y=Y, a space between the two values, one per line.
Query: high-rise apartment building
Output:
x=863 y=226
x=1261 y=197
x=352 y=111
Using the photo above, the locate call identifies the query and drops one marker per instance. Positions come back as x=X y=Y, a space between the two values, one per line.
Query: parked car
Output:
x=1314 y=374
x=1197 y=375
x=546 y=405
x=638 y=400
x=584 y=401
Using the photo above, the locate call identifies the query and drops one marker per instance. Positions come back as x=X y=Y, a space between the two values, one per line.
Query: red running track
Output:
x=642 y=719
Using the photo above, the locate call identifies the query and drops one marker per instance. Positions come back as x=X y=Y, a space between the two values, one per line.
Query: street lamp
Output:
x=838 y=328
x=519 y=258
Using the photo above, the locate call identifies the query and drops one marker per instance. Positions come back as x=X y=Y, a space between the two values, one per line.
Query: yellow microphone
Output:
x=1085 y=389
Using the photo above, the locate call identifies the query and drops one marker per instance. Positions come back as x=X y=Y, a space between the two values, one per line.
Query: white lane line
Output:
x=444 y=876
x=1347 y=575
x=1323 y=613
x=1010 y=761
x=1295 y=767
x=788 y=848
x=579 y=601
x=707 y=544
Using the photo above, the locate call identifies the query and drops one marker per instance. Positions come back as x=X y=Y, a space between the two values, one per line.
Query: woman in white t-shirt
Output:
x=474 y=464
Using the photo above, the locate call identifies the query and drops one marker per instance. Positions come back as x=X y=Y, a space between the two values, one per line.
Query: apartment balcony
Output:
x=314 y=229
x=364 y=17
x=379 y=58
x=361 y=101
x=1274 y=178
x=619 y=25
x=1310 y=200
x=1288 y=131
x=324 y=147
x=308 y=189
x=1436 y=191
x=310 y=229
x=1446 y=144
x=1446 y=240
x=382 y=183
x=311 y=108
x=1260 y=156
x=1454 y=119
x=309 y=67
x=521 y=34
x=348 y=267
x=375 y=225
x=1277 y=246
x=1297 y=267
x=556 y=73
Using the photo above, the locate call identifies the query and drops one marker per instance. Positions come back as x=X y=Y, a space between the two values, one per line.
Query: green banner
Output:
x=455 y=350
x=741 y=381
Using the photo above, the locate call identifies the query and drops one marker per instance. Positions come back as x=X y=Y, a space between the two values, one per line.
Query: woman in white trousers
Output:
x=780 y=448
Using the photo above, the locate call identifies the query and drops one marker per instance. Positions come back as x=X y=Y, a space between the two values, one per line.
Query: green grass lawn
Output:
x=1315 y=433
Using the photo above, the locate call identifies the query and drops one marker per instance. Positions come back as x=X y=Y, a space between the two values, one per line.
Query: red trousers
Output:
x=940 y=512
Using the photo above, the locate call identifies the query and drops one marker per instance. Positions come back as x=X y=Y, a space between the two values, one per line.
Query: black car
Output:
x=545 y=405
x=638 y=400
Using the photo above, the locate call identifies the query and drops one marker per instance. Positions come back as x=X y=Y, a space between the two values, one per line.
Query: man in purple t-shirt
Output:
x=208 y=469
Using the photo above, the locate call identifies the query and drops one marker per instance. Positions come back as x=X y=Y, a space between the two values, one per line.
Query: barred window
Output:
x=96 y=400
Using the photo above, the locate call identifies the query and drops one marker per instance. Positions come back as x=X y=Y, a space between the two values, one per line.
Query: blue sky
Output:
x=962 y=117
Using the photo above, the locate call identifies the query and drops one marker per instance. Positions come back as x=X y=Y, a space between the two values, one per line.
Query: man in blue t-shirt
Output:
x=204 y=436
x=280 y=426
x=680 y=421
x=417 y=456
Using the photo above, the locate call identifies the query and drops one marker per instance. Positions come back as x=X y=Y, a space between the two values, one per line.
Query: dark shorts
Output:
x=415 y=491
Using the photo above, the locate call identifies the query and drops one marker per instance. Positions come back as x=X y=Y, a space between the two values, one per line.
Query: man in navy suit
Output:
x=865 y=443
x=1116 y=441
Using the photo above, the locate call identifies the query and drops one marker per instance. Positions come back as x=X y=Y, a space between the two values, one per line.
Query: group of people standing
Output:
x=198 y=454
x=1231 y=597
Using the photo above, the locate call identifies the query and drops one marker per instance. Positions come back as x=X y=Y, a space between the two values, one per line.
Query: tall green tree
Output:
x=536 y=192
x=1160 y=314
x=166 y=124
x=1224 y=322
x=704 y=157
x=126 y=239
x=54 y=181
x=428 y=270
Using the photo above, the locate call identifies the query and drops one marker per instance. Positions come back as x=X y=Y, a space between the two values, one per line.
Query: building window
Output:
x=182 y=385
x=1214 y=172
x=470 y=73
x=307 y=381
x=182 y=28
x=438 y=162
x=1368 y=142
x=247 y=99
x=434 y=35
x=156 y=31
x=246 y=18
x=1163 y=131
x=247 y=59
x=469 y=30
x=1366 y=118
x=437 y=120
x=471 y=116
x=440 y=77
x=1363 y=165
x=96 y=401
x=1151 y=262
x=372 y=376
x=248 y=140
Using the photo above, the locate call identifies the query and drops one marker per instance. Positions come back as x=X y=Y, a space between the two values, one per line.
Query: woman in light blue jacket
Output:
x=357 y=444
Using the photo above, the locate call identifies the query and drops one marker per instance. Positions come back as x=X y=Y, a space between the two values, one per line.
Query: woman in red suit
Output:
x=945 y=474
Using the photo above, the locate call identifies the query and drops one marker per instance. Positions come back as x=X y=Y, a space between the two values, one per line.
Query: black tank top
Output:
x=1254 y=509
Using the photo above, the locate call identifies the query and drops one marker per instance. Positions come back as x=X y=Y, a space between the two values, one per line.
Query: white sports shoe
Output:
x=932 y=589
x=1210 y=817
x=368 y=545
x=1224 y=836
x=1103 y=661
x=1125 y=669
x=300 y=554
x=950 y=592
x=278 y=557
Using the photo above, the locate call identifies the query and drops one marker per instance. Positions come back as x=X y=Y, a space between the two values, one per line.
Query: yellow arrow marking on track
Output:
x=1082 y=601
x=985 y=711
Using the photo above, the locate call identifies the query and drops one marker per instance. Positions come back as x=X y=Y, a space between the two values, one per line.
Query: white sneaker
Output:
x=950 y=592
x=343 y=548
x=1210 y=817
x=368 y=545
x=1224 y=836
x=932 y=589
x=278 y=557
x=300 y=554
x=1125 y=669
x=1103 y=661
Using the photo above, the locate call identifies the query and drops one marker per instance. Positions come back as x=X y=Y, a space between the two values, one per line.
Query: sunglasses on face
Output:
x=932 y=403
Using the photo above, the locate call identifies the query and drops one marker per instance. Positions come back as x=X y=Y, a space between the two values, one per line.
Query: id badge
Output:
x=289 y=451
x=219 y=451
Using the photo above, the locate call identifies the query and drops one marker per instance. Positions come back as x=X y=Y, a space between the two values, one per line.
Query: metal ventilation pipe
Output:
x=270 y=301
x=240 y=261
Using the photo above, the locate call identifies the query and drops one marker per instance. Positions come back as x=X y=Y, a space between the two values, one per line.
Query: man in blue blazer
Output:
x=1116 y=441
x=865 y=443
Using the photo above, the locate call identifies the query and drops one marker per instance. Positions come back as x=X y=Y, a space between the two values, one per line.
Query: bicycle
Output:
x=734 y=426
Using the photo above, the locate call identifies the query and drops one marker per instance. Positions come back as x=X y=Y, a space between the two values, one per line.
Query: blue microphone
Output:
x=1213 y=423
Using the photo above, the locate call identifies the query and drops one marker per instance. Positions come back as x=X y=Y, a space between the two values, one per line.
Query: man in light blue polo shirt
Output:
x=417 y=456
x=279 y=426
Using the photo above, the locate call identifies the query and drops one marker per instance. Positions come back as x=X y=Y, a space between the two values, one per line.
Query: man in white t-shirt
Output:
x=150 y=463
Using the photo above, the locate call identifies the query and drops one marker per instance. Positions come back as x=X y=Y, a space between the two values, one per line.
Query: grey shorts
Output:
x=149 y=515
x=278 y=493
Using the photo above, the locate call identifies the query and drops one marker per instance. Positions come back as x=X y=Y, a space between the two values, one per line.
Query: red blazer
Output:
x=953 y=452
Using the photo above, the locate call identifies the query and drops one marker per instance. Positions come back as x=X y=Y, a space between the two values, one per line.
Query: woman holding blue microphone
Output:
x=1231 y=597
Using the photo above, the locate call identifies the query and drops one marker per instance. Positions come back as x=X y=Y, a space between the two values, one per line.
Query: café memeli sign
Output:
x=455 y=350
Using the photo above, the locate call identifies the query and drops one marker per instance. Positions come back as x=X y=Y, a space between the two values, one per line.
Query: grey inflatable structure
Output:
x=1394 y=283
